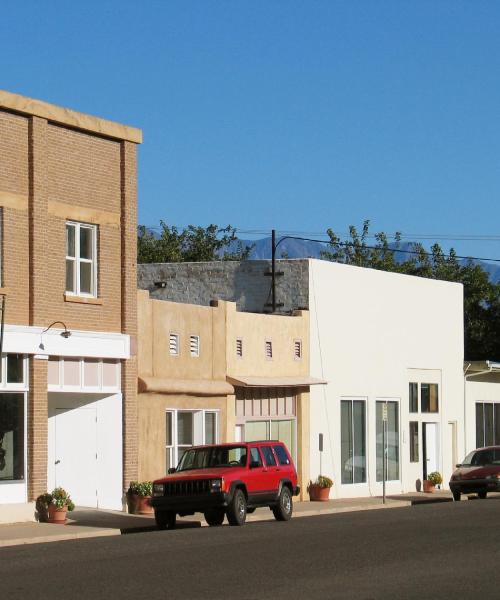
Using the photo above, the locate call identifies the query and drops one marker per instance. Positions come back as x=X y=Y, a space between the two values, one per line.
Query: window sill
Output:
x=82 y=299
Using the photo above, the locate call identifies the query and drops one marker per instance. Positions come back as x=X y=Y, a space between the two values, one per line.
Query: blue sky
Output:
x=293 y=115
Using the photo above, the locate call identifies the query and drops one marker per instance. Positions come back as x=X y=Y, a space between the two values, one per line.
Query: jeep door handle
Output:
x=57 y=462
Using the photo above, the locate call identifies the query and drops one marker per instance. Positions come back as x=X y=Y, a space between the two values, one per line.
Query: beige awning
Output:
x=244 y=381
x=190 y=387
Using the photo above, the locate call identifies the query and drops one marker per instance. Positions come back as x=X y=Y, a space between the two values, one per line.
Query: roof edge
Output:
x=66 y=116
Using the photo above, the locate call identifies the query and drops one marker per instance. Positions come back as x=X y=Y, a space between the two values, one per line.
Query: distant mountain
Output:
x=293 y=248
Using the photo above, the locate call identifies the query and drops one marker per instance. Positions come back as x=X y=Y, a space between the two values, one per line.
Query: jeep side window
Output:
x=281 y=454
x=269 y=459
x=255 y=460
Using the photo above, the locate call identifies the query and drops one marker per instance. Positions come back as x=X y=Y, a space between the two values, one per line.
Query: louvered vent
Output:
x=297 y=349
x=239 y=347
x=194 y=345
x=269 y=349
x=174 y=344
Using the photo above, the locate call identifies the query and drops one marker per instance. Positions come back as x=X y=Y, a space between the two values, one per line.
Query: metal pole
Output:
x=273 y=270
x=384 y=423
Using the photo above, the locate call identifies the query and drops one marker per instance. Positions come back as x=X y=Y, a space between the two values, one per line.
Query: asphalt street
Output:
x=441 y=551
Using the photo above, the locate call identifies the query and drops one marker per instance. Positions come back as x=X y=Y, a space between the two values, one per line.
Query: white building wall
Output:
x=372 y=332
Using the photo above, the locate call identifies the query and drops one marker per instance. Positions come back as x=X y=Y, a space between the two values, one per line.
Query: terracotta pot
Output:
x=139 y=505
x=429 y=487
x=57 y=515
x=318 y=494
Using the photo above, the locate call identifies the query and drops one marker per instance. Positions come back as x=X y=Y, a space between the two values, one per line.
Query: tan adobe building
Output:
x=210 y=374
x=68 y=275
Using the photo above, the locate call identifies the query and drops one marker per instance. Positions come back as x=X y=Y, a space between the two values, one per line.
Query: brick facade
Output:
x=67 y=166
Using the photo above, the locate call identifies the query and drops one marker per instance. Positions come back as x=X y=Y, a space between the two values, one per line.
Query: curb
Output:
x=253 y=518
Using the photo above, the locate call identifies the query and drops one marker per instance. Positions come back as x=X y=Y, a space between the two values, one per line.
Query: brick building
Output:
x=68 y=275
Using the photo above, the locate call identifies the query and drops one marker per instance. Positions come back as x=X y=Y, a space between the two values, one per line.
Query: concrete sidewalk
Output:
x=90 y=523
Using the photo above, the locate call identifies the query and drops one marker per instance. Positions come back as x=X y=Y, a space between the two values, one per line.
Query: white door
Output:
x=76 y=454
x=431 y=456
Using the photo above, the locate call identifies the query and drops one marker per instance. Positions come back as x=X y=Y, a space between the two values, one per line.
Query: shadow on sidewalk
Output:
x=126 y=523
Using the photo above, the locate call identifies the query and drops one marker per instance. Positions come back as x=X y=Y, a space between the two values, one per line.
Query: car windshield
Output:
x=216 y=456
x=480 y=458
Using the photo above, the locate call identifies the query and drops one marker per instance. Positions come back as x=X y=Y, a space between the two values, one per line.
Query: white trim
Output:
x=174 y=447
x=22 y=339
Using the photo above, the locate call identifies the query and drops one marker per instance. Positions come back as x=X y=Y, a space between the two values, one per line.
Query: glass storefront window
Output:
x=353 y=441
x=11 y=437
x=391 y=441
x=15 y=368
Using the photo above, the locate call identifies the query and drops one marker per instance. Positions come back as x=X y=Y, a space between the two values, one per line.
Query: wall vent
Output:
x=297 y=349
x=269 y=349
x=174 y=344
x=194 y=345
x=239 y=347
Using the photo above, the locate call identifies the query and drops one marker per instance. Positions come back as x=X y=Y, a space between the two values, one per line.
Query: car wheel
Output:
x=214 y=517
x=237 y=510
x=284 y=509
x=482 y=495
x=165 y=519
x=456 y=495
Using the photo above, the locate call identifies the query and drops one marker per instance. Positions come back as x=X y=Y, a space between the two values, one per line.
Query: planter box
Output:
x=57 y=515
x=139 y=505
x=429 y=487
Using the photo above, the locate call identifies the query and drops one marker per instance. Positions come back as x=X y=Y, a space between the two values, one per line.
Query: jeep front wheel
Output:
x=214 y=517
x=165 y=519
x=237 y=509
x=284 y=509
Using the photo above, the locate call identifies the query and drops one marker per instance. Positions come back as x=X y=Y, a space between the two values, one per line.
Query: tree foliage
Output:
x=481 y=296
x=191 y=244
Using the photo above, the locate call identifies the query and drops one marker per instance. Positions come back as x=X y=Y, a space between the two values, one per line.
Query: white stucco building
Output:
x=380 y=339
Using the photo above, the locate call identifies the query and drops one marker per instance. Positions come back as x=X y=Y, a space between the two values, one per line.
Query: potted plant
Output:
x=433 y=479
x=53 y=507
x=138 y=497
x=319 y=490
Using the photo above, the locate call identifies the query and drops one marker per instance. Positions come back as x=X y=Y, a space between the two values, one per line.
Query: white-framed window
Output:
x=297 y=349
x=174 y=344
x=269 y=349
x=186 y=428
x=239 y=347
x=81 y=259
x=353 y=440
x=14 y=372
x=194 y=345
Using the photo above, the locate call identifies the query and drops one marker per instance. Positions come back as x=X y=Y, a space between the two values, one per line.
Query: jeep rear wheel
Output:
x=284 y=509
x=237 y=509
x=214 y=517
x=165 y=519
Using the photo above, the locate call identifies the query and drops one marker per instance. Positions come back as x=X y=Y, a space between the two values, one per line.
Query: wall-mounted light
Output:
x=65 y=334
x=160 y=284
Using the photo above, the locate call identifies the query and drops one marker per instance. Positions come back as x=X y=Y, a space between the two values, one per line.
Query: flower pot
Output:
x=57 y=515
x=318 y=493
x=429 y=487
x=141 y=505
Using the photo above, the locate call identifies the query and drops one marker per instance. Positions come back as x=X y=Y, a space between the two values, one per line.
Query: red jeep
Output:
x=227 y=480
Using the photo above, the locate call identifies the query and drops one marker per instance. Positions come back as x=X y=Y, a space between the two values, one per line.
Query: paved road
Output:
x=448 y=550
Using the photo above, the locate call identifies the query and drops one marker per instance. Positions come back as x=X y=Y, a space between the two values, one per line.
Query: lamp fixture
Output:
x=65 y=334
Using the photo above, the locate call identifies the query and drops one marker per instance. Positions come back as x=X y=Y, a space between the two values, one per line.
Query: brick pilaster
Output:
x=39 y=289
x=129 y=309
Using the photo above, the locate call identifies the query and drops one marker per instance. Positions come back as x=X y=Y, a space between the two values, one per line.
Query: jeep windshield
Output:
x=216 y=456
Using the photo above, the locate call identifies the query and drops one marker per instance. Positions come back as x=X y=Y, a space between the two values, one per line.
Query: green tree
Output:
x=191 y=244
x=481 y=296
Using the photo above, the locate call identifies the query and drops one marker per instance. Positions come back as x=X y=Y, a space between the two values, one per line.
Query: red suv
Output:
x=227 y=480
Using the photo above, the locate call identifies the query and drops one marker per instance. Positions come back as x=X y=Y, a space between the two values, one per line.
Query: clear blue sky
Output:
x=293 y=115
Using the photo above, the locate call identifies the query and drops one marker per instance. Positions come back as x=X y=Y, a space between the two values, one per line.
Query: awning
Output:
x=190 y=387
x=244 y=381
